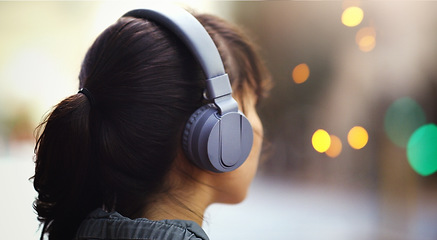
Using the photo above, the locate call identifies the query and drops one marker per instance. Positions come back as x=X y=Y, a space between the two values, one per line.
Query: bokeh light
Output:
x=335 y=148
x=422 y=150
x=357 y=137
x=402 y=118
x=321 y=140
x=352 y=16
x=366 y=39
x=301 y=73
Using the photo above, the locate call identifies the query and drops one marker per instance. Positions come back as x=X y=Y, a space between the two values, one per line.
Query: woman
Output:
x=110 y=162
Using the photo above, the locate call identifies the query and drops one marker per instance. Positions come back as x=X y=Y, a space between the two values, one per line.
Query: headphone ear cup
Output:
x=187 y=136
x=193 y=136
x=217 y=143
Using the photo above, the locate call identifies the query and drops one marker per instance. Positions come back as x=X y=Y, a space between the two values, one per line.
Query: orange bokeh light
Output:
x=335 y=148
x=366 y=39
x=301 y=73
x=358 y=137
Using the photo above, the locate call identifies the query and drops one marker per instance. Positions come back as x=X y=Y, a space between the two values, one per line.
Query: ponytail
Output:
x=66 y=174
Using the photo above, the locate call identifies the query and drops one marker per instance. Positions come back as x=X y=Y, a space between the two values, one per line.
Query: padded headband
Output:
x=197 y=39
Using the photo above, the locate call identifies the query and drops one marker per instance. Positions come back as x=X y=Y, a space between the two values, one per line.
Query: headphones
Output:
x=217 y=137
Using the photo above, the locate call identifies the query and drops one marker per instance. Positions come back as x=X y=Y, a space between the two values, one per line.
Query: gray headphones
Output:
x=217 y=137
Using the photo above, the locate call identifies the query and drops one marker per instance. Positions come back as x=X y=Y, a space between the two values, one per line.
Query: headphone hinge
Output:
x=226 y=104
x=218 y=86
x=219 y=90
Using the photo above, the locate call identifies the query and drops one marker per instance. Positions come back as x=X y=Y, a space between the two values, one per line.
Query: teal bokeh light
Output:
x=402 y=118
x=422 y=150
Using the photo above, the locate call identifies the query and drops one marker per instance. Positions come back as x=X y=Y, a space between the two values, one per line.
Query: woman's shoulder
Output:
x=112 y=225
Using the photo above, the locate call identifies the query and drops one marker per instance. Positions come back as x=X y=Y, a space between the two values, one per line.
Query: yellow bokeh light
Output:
x=366 y=39
x=335 y=147
x=352 y=16
x=357 y=137
x=321 y=140
x=301 y=73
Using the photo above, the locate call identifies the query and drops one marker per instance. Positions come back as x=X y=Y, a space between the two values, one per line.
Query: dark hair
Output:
x=117 y=152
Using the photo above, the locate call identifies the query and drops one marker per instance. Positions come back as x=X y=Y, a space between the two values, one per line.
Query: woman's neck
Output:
x=187 y=201
x=171 y=207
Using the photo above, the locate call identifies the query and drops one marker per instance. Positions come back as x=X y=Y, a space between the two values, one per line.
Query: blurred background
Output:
x=350 y=134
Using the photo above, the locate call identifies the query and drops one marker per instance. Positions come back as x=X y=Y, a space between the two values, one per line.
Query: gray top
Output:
x=103 y=225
